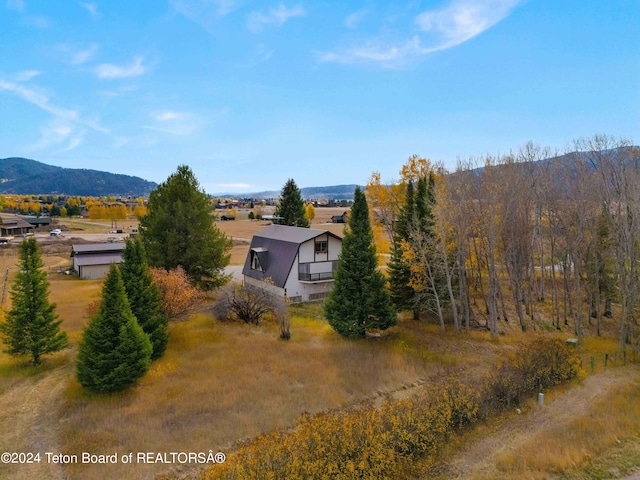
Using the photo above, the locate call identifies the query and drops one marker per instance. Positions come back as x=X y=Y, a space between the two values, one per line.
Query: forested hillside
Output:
x=23 y=176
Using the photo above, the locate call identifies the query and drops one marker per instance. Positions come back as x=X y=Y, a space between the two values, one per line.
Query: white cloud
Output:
x=83 y=56
x=205 y=13
x=109 y=71
x=354 y=19
x=179 y=131
x=38 y=99
x=452 y=25
x=387 y=56
x=74 y=142
x=54 y=133
x=164 y=116
x=276 y=16
x=92 y=8
x=463 y=19
x=26 y=75
x=173 y=123
x=15 y=5
x=64 y=122
x=38 y=21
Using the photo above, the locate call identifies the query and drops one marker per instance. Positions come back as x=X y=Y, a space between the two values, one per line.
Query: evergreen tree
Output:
x=359 y=299
x=290 y=210
x=422 y=240
x=402 y=294
x=415 y=230
x=32 y=327
x=144 y=296
x=178 y=230
x=114 y=351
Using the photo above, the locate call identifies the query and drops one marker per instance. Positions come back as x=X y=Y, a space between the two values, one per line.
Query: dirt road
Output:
x=477 y=460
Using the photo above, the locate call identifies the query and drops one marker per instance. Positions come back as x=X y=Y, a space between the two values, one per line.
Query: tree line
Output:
x=518 y=229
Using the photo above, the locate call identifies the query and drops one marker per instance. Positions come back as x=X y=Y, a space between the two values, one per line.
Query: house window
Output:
x=255 y=262
x=322 y=247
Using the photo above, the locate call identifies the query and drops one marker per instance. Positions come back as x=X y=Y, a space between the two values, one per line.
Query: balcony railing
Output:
x=314 y=277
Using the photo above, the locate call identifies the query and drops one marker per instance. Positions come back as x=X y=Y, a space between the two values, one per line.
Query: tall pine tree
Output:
x=178 y=230
x=290 y=210
x=415 y=273
x=114 y=352
x=144 y=296
x=359 y=300
x=402 y=294
x=32 y=327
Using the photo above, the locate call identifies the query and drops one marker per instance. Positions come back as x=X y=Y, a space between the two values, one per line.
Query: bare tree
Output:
x=251 y=304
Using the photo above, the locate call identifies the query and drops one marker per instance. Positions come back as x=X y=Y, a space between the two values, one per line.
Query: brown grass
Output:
x=220 y=383
x=577 y=446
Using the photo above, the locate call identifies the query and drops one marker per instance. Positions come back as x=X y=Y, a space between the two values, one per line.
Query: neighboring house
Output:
x=14 y=227
x=93 y=260
x=339 y=218
x=294 y=262
x=36 y=221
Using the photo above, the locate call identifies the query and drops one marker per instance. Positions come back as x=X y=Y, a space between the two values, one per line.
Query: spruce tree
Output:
x=178 y=229
x=424 y=238
x=402 y=294
x=114 y=351
x=359 y=300
x=144 y=296
x=290 y=210
x=32 y=327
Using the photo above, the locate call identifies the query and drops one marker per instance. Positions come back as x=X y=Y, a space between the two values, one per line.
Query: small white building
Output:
x=294 y=262
x=93 y=260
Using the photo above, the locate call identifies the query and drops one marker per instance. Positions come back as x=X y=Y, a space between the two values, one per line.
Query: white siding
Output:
x=305 y=252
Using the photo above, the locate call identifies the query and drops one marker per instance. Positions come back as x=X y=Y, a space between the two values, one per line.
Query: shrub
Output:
x=385 y=442
x=178 y=294
x=251 y=304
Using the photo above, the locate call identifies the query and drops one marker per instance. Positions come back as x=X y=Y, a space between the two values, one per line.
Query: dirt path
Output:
x=478 y=459
x=29 y=423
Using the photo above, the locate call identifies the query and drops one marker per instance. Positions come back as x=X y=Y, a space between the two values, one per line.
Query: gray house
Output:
x=296 y=263
x=93 y=260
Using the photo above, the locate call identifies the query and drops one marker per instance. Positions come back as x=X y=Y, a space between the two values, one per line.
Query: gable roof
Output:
x=99 y=259
x=92 y=248
x=276 y=247
x=13 y=222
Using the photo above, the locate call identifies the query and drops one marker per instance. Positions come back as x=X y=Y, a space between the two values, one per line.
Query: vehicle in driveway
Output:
x=55 y=232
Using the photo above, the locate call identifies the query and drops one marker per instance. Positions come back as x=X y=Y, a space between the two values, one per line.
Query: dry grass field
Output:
x=221 y=383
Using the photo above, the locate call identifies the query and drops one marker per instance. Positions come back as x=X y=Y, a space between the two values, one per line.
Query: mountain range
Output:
x=24 y=177
x=334 y=192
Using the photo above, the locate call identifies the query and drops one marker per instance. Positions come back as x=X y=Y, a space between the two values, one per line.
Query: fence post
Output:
x=606 y=359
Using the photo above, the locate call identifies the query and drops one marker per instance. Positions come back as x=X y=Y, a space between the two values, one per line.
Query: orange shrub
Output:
x=179 y=296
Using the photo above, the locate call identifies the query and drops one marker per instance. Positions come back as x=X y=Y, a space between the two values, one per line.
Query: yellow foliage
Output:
x=178 y=295
x=310 y=212
x=385 y=442
x=415 y=168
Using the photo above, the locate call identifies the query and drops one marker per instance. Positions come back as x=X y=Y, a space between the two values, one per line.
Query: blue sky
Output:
x=249 y=94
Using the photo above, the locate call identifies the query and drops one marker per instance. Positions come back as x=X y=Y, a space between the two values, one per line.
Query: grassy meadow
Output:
x=223 y=383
